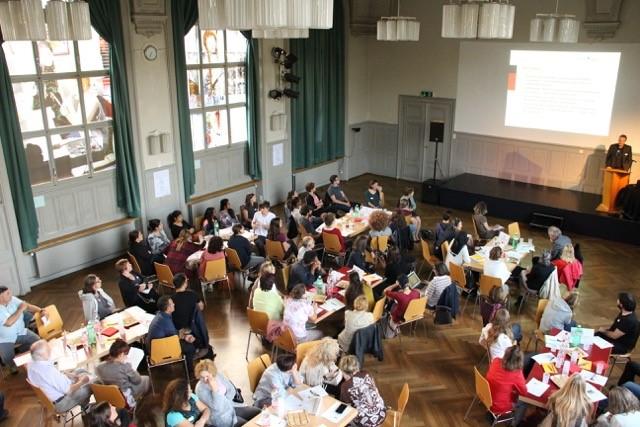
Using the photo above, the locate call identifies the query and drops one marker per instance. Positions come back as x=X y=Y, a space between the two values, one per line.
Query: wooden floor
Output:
x=437 y=367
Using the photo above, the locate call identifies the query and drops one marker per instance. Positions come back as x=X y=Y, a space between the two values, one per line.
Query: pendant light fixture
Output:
x=554 y=27
x=471 y=19
x=398 y=28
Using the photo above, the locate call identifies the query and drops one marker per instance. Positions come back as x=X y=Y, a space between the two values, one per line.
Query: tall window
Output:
x=217 y=87
x=63 y=96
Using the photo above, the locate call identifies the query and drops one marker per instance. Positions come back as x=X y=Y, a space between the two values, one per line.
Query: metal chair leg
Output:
x=246 y=354
x=473 y=402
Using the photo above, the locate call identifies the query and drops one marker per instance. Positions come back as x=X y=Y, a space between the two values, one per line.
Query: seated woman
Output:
x=506 y=382
x=217 y=392
x=308 y=244
x=313 y=201
x=177 y=224
x=288 y=208
x=330 y=226
x=438 y=284
x=402 y=298
x=248 y=210
x=181 y=407
x=354 y=290
x=397 y=265
x=459 y=249
x=623 y=409
x=485 y=231
x=276 y=234
x=266 y=297
x=186 y=302
x=214 y=251
x=355 y=319
x=569 y=268
x=495 y=266
x=117 y=370
x=209 y=221
x=569 y=406
x=179 y=250
x=400 y=232
x=413 y=221
x=359 y=390
x=134 y=290
x=96 y=304
x=498 y=335
x=319 y=366
x=158 y=240
x=297 y=311
x=490 y=305
x=266 y=267
x=379 y=223
x=358 y=255
x=227 y=215
x=139 y=248
x=374 y=197
x=104 y=414
x=534 y=277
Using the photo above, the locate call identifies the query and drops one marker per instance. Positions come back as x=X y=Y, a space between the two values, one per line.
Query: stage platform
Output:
x=520 y=201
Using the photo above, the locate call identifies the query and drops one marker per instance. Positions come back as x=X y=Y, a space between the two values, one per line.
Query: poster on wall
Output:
x=278 y=154
x=162 y=183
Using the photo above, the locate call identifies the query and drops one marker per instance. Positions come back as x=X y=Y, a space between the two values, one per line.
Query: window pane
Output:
x=27 y=100
x=94 y=53
x=216 y=134
x=195 y=95
x=37 y=160
x=212 y=47
x=237 y=85
x=102 y=154
x=97 y=98
x=191 y=46
x=238 y=124
x=62 y=103
x=236 y=46
x=197 y=137
x=70 y=154
x=213 y=86
x=56 y=56
x=19 y=58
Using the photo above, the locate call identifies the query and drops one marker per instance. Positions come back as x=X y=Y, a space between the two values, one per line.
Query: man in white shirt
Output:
x=13 y=330
x=261 y=219
x=66 y=390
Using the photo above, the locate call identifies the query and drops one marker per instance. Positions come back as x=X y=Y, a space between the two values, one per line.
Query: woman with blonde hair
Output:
x=497 y=336
x=569 y=268
x=623 y=409
x=355 y=319
x=319 y=366
x=570 y=406
x=360 y=391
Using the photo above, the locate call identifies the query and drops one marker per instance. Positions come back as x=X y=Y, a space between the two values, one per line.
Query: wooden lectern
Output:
x=614 y=180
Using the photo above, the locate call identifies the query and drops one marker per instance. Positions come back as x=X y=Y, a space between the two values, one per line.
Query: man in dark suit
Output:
x=619 y=155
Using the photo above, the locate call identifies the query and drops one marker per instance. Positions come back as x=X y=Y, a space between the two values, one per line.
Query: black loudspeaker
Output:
x=431 y=191
x=436 y=131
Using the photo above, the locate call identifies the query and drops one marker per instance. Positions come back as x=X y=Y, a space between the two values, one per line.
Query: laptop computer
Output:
x=414 y=281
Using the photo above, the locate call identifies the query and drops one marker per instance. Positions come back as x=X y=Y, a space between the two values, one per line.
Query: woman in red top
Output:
x=506 y=381
x=179 y=250
x=569 y=268
x=330 y=227
x=401 y=298
x=214 y=251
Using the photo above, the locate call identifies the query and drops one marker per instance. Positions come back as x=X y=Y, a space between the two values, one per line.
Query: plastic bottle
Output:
x=216 y=227
x=319 y=285
x=91 y=334
x=275 y=398
x=65 y=342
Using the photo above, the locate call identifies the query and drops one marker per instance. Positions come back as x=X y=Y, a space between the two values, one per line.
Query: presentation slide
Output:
x=561 y=91
x=580 y=95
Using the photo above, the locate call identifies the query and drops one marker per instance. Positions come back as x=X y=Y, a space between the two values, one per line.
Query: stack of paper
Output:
x=594 y=394
x=594 y=378
x=536 y=387
x=602 y=343
x=543 y=358
x=361 y=272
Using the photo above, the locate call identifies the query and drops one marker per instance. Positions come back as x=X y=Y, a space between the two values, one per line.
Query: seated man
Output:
x=13 y=330
x=117 y=370
x=279 y=376
x=306 y=271
x=558 y=241
x=623 y=332
x=65 y=391
x=162 y=327
x=310 y=222
x=339 y=200
x=242 y=246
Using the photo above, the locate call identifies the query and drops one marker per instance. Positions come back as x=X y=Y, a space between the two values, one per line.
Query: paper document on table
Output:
x=477 y=257
x=312 y=392
x=525 y=247
x=332 y=304
x=594 y=394
x=601 y=343
x=536 y=387
x=361 y=272
x=552 y=343
x=543 y=358
x=331 y=414
x=514 y=254
x=292 y=403
x=594 y=378
x=334 y=277
x=502 y=239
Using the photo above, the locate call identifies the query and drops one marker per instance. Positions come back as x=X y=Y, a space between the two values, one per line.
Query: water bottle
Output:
x=319 y=285
x=357 y=211
x=216 y=227
x=65 y=342
x=275 y=398
x=91 y=334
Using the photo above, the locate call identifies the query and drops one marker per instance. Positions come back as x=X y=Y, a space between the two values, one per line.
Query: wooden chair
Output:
x=256 y=368
x=109 y=393
x=54 y=326
x=165 y=351
x=460 y=278
x=514 y=229
x=368 y=293
x=427 y=258
x=444 y=249
x=215 y=271
x=286 y=341
x=165 y=276
x=618 y=359
x=274 y=250
x=303 y=349
x=537 y=334
x=476 y=235
x=258 y=321
x=412 y=315
x=49 y=412
x=332 y=247
x=529 y=293
x=282 y=278
x=485 y=285
x=235 y=264
x=483 y=394
x=394 y=417
x=380 y=243
x=378 y=309
x=134 y=263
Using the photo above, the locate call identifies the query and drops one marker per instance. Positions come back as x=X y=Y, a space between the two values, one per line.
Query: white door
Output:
x=412 y=140
x=8 y=264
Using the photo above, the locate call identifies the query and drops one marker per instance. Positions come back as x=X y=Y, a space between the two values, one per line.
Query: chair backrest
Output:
x=42 y=398
x=258 y=321
x=476 y=236
x=514 y=229
x=274 y=250
x=286 y=341
x=483 y=391
x=282 y=278
x=165 y=349
x=134 y=263
x=164 y=274
x=215 y=269
x=403 y=398
x=457 y=274
x=303 y=349
x=444 y=248
x=487 y=283
x=256 y=368
x=368 y=293
x=380 y=243
x=542 y=304
x=54 y=326
x=109 y=393
x=331 y=243
x=198 y=222
x=378 y=309
x=426 y=252
x=415 y=309
x=233 y=258
x=368 y=257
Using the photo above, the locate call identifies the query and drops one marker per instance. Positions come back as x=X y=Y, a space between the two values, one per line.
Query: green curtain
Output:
x=184 y=14
x=253 y=105
x=107 y=21
x=15 y=160
x=317 y=116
